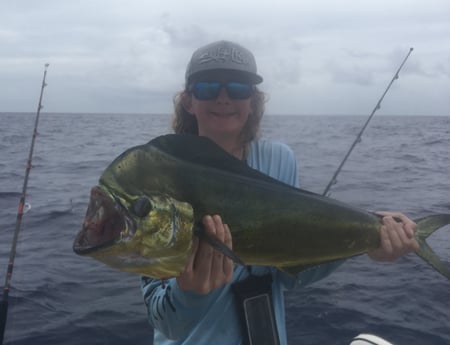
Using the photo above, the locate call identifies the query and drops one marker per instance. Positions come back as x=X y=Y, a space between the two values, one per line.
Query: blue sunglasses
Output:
x=209 y=90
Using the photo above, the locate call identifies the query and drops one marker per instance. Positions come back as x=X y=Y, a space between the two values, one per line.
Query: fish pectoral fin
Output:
x=217 y=244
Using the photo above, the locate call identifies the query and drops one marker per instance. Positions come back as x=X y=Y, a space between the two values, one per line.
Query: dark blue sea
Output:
x=57 y=297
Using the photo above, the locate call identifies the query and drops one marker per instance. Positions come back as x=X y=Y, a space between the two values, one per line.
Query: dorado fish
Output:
x=147 y=208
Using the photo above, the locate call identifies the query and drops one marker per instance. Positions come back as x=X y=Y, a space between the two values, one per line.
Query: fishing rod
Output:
x=358 y=137
x=20 y=212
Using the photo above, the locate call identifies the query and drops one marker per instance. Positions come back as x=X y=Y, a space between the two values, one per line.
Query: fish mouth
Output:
x=105 y=223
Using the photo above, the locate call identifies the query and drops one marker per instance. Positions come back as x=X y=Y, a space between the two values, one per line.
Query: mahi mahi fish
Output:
x=147 y=208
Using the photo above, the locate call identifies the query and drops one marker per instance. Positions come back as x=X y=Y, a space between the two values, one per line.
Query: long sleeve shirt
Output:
x=185 y=317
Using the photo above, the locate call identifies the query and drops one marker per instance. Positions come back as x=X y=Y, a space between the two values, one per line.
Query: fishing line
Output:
x=23 y=208
x=358 y=137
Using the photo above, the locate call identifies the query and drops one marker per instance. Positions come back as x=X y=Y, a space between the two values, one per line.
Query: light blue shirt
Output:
x=184 y=317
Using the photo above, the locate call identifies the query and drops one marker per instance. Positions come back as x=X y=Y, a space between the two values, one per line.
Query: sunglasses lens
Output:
x=207 y=91
x=239 y=90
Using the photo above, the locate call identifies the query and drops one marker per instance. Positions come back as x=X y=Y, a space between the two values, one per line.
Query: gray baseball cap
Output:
x=223 y=58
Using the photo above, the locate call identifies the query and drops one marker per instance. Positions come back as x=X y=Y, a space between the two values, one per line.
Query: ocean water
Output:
x=57 y=297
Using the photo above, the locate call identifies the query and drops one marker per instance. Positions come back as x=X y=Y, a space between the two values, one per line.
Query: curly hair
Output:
x=186 y=123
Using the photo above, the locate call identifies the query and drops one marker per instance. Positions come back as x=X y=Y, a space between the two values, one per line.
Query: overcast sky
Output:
x=316 y=57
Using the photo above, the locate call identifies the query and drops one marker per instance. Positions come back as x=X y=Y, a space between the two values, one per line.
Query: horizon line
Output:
x=170 y=114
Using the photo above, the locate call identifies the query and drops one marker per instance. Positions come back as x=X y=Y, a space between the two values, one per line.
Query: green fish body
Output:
x=149 y=203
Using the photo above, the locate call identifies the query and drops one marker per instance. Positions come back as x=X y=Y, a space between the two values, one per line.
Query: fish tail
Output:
x=425 y=227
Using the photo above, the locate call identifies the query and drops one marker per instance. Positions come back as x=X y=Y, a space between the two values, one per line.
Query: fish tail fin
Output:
x=425 y=227
x=217 y=244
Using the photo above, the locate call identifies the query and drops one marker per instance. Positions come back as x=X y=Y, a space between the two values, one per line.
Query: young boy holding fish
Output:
x=212 y=301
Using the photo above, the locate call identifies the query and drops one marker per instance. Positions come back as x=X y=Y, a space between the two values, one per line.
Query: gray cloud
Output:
x=111 y=56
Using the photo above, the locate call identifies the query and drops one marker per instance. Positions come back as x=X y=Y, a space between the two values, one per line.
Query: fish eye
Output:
x=142 y=206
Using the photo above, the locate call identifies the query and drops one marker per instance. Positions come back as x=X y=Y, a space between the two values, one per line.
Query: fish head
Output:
x=149 y=234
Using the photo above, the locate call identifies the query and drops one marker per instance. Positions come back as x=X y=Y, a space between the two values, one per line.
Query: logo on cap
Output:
x=223 y=54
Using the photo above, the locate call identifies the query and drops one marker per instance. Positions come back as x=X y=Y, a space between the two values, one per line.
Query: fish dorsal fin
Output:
x=203 y=151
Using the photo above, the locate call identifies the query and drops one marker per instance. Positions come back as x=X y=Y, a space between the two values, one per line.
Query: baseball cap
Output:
x=223 y=58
